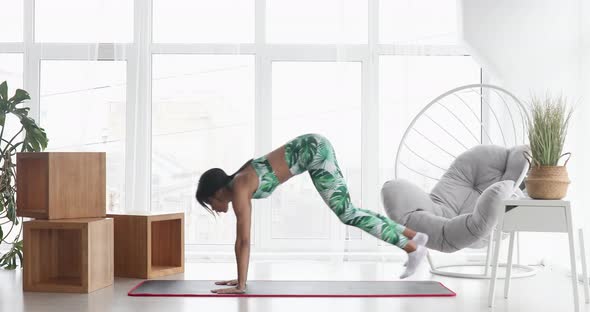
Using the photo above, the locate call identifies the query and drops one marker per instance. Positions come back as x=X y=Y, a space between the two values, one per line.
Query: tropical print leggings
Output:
x=314 y=153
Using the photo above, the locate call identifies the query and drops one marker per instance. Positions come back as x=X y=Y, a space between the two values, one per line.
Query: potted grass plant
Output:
x=548 y=120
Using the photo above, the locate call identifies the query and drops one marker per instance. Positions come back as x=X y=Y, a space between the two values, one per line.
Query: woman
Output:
x=259 y=177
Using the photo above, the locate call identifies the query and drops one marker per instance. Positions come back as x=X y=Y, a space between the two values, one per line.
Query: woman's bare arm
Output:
x=243 y=209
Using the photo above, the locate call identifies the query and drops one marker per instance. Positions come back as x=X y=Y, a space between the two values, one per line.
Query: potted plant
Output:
x=30 y=138
x=548 y=120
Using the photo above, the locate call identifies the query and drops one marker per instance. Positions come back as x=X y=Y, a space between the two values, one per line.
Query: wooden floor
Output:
x=549 y=290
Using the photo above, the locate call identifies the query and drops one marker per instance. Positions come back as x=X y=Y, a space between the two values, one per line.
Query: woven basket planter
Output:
x=547 y=182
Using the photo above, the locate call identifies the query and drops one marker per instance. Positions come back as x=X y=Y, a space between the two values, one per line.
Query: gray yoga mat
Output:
x=190 y=288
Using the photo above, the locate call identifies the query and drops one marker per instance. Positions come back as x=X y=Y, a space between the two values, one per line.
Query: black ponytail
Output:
x=211 y=181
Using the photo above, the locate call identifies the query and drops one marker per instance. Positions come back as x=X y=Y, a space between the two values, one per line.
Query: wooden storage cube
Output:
x=61 y=185
x=166 y=251
x=70 y=255
x=149 y=245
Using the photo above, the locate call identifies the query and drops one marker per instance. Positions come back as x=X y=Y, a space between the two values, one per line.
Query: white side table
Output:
x=531 y=215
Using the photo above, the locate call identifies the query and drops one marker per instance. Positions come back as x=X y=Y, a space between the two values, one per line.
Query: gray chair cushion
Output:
x=465 y=204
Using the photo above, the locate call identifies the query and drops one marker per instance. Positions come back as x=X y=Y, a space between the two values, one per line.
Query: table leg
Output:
x=509 y=266
x=573 y=259
x=518 y=248
x=497 y=243
x=584 y=265
x=489 y=254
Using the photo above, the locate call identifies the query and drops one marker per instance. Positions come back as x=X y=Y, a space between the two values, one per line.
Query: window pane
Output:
x=194 y=21
x=408 y=84
x=320 y=22
x=418 y=21
x=11 y=70
x=329 y=105
x=83 y=110
x=11 y=20
x=84 y=21
x=203 y=117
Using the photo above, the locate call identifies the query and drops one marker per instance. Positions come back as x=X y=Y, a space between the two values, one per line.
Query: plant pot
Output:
x=547 y=182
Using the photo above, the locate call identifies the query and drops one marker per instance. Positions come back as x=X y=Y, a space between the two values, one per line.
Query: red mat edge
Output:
x=452 y=294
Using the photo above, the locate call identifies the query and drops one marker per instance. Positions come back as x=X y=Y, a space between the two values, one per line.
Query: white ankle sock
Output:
x=420 y=239
x=414 y=260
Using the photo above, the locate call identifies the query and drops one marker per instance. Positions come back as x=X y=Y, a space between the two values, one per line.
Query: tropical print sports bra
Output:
x=267 y=180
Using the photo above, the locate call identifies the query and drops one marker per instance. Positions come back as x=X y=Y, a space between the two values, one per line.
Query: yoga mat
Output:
x=190 y=288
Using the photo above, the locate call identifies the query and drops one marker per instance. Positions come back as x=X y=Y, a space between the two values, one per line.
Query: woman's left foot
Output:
x=420 y=239
x=414 y=259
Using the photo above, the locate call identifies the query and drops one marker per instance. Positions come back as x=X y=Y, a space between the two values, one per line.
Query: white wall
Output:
x=534 y=47
x=530 y=45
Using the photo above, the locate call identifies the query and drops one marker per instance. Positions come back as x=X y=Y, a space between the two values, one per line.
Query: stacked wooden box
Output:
x=69 y=247
x=73 y=246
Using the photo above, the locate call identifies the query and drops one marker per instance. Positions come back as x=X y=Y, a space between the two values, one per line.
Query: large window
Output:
x=171 y=88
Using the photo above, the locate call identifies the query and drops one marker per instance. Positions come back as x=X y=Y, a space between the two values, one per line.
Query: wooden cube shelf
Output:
x=61 y=185
x=148 y=245
x=70 y=255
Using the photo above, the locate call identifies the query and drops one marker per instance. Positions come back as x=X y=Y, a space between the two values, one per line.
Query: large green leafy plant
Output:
x=30 y=138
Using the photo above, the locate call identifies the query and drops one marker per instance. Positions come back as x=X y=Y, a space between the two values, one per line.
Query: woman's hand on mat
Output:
x=232 y=290
x=228 y=283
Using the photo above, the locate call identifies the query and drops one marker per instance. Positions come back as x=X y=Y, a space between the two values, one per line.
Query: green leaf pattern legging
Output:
x=314 y=153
